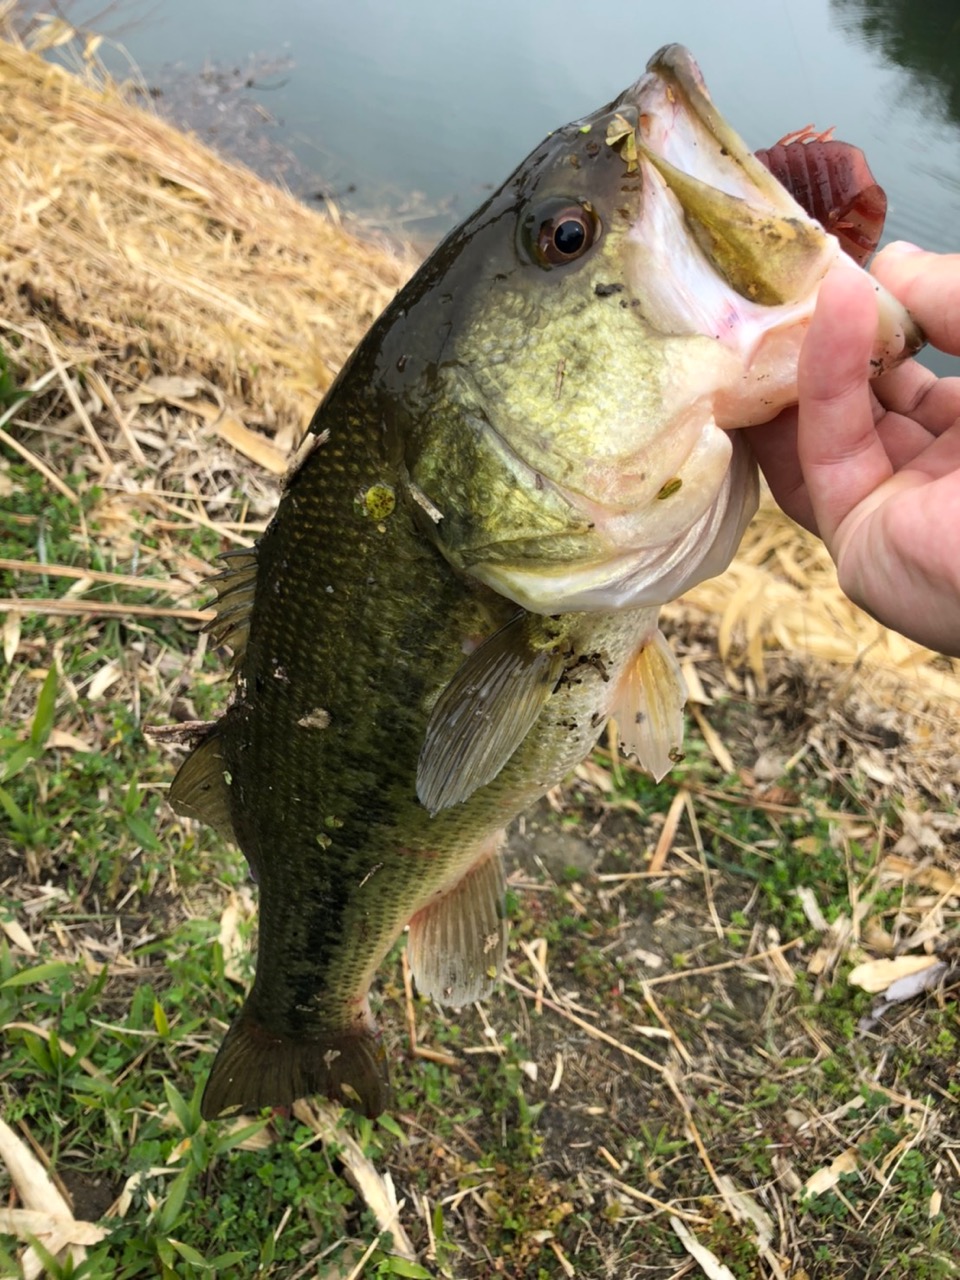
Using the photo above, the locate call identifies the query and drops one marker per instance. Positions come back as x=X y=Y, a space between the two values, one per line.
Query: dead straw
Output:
x=64 y=608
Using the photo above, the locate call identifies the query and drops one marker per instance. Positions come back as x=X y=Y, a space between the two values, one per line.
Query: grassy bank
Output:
x=690 y=1065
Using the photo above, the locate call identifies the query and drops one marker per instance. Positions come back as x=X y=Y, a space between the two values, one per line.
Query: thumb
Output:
x=843 y=459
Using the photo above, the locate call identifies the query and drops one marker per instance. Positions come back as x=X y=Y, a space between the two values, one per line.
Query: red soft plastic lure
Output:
x=833 y=182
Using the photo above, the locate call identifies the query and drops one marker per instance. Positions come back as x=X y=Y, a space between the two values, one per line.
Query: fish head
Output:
x=638 y=289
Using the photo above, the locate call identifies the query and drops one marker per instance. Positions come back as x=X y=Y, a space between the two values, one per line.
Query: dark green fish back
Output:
x=356 y=623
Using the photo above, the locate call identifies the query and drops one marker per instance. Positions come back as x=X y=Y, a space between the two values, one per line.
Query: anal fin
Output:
x=649 y=712
x=258 y=1068
x=200 y=789
x=457 y=944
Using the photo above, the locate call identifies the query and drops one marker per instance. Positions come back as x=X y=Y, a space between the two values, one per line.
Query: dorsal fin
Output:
x=234 y=587
x=487 y=710
x=201 y=788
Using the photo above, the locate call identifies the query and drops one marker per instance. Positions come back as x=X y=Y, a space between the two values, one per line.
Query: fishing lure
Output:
x=833 y=182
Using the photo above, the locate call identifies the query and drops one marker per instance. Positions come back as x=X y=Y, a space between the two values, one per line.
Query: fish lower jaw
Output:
x=771 y=356
x=689 y=282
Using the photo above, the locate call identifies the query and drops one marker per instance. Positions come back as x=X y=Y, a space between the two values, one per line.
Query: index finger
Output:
x=928 y=285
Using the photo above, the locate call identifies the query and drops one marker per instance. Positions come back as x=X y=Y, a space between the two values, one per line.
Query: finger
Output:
x=919 y=394
x=928 y=285
x=903 y=439
x=842 y=456
x=774 y=446
x=940 y=459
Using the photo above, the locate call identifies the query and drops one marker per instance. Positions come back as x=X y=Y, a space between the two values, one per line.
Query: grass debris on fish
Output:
x=531 y=451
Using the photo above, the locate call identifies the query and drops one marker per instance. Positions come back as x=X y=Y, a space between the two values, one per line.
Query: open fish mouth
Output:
x=758 y=248
x=680 y=125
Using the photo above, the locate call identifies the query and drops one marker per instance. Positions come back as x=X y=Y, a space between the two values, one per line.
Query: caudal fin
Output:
x=257 y=1068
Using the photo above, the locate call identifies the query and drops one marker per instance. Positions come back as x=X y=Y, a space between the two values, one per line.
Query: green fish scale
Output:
x=343 y=850
x=329 y=817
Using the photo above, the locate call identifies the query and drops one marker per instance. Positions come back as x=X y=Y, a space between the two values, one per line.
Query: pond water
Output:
x=413 y=108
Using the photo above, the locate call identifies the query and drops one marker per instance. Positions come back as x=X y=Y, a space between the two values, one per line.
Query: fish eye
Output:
x=558 y=232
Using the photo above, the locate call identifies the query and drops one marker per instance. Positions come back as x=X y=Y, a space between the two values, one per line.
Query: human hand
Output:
x=874 y=468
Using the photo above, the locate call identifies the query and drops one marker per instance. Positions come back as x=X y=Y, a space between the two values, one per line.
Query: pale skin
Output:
x=874 y=468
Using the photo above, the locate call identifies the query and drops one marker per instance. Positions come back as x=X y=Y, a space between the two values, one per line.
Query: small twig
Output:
x=623 y=877
x=705 y=870
x=592 y=1031
x=894 y=1160
x=28 y=392
x=642 y=1196
x=74 y=608
x=725 y=835
x=669 y=830
x=123 y=423
x=725 y=964
x=536 y=953
x=661 y=1017
x=713 y=740
x=50 y=476
x=368 y=1254
x=436 y=1055
x=568 y=1267
x=34 y=1029
x=205 y=522
x=431 y=1253
x=732 y=797
x=169 y=585
x=79 y=410
x=698 y=1143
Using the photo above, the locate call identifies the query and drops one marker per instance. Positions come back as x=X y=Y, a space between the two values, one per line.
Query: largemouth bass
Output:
x=528 y=454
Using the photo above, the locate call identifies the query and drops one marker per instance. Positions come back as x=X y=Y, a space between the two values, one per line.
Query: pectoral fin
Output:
x=200 y=789
x=649 y=713
x=457 y=944
x=487 y=710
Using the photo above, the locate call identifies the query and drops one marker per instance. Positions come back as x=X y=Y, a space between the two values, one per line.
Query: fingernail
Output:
x=903 y=247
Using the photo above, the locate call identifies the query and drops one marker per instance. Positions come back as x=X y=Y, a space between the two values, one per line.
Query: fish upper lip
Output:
x=702 y=181
x=671 y=93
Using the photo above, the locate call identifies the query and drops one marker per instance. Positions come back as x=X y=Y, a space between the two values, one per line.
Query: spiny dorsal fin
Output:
x=649 y=713
x=235 y=587
x=457 y=945
x=487 y=710
x=201 y=788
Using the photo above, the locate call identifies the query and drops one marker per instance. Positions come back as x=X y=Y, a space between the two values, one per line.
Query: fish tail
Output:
x=258 y=1068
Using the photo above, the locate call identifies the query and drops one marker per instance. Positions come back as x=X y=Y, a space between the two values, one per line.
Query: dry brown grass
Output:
x=146 y=253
